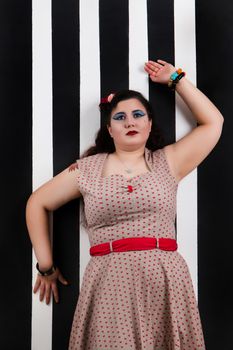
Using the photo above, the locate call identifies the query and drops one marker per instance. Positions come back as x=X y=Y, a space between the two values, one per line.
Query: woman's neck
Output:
x=130 y=156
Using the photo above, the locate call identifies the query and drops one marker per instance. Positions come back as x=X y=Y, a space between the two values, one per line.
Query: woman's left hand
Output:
x=159 y=71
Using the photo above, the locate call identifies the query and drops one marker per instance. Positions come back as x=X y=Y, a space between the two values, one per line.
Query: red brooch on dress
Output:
x=130 y=188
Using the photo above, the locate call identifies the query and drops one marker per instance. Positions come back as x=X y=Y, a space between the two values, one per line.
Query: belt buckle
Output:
x=110 y=245
x=157 y=244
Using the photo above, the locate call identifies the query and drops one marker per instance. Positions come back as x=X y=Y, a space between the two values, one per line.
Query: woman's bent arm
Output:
x=189 y=151
x=50 y=196
x=37 y=218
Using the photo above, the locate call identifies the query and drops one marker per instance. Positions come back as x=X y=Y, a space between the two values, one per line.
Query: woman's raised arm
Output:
x=188 y=152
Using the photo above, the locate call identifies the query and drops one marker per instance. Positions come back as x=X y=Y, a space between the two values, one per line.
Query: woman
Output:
x=136 y=291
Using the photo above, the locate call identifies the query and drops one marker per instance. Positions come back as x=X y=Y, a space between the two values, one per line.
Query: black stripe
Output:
x=214 y=34
x=161 y=46
x=114 y=45
x=16 y=173
x=65 y=24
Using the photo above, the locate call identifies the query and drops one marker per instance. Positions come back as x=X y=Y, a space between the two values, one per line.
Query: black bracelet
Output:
x=181 y=75
x=48 y=272
x=172 y=83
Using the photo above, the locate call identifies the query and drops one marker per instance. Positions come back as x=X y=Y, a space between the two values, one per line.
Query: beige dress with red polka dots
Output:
x=134 y=299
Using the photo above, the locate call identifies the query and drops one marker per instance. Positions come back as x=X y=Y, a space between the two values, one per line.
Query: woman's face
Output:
x=129 y=115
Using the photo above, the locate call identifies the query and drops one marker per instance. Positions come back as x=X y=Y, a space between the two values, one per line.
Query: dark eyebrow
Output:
x=138 y=110
x=119 y=113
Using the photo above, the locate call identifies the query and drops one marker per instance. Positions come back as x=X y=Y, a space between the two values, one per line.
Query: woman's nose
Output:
x=129 y=121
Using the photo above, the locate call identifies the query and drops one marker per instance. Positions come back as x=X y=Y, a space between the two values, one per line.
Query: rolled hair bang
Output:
x=123 y=95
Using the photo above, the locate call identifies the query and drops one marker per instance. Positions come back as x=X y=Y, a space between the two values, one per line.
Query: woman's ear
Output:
x=109 y=130
x=150 y=124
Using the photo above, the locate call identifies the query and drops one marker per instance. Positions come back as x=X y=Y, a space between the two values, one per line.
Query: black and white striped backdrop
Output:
x=57 y=59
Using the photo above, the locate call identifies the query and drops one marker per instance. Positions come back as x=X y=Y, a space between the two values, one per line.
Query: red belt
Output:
x=134 y=243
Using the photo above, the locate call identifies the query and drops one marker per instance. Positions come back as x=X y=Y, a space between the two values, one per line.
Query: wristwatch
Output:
x=48 y=272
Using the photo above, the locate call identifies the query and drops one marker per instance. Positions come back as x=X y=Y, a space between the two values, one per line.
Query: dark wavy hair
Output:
x=104 y=142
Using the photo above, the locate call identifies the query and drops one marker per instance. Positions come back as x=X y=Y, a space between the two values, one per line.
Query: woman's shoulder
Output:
x=87 y=163
x=92 y=158
x=155 y=155
x=163 y=158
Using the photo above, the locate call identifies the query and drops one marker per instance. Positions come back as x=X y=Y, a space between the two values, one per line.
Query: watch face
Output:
x=50 y=272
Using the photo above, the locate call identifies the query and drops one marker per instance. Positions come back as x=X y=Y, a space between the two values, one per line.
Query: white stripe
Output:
x=42 y=146
x=138 y=46
x=89 y=93
x=185 y=58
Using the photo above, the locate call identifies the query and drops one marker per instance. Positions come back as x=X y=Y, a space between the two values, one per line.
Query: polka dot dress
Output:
x=135 y=299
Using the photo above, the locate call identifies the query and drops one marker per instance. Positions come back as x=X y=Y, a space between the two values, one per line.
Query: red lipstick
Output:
x=133 y=132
